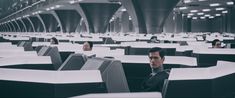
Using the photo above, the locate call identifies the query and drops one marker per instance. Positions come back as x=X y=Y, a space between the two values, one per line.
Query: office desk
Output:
x=211 y=82
x=17 y=53
x=123 y=95
x=27 y=62
x=49 y=84
x=209 y=57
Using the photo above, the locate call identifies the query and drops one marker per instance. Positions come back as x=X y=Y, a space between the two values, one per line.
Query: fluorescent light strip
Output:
x=230 y=3
x=203 y=17
x=194 y=17
x=183 y=8
x=207 y=15
x=214 y=4
x=187 y=1
x=224 y=12
x=211 y=17
x=206 y=10
x=194 y=11
x=190 y=14
x=200 y=13
x=217 y=14
x=219 y=9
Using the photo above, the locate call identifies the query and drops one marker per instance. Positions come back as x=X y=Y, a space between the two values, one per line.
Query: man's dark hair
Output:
x=214 y=41
x=55 y=40
x=157 y=49
x=90 y=43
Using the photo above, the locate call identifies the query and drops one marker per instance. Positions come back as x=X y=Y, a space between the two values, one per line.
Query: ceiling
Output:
x=189 y=8
x=204 y=9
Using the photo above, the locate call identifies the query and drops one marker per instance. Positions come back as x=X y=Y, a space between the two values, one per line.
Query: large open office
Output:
x=122 y=33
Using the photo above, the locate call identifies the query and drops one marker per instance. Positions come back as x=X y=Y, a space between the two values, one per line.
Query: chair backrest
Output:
x=112 y=73
x=74 y=62
x=55 y=57
x=43 y=51
x=108 y=41
x=28 y=46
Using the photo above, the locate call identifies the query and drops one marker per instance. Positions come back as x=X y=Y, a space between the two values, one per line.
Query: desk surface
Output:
x=215 y=51
x=123 y=95
x=54 y=77
x=18 y=60
x=190 y=61
x=222 y=69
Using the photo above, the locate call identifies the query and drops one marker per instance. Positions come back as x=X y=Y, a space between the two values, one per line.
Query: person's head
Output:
x=156 y=57
x=153 y=38
x=54 y=40
x=87 y=46
x=216 y=43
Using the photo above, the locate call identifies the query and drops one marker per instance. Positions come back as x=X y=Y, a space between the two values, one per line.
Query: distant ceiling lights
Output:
x=202 y=0
x=230 y=3
x=207 y=15
x=130 y=18
x=217 y=14
x=214 y=4
x=187 y=1
x=194 y=17
x=211 y=17
x=219 y=9
x=38 y=12
x=224 y=12
x=194 y=11
x=75 y=1
x=190 y=14
x=123 y=10
x=203 y=17
x=182 y=8
x=200 y=13
x=206 y=10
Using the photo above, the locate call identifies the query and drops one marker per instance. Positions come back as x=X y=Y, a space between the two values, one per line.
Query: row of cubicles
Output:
x=64 y=70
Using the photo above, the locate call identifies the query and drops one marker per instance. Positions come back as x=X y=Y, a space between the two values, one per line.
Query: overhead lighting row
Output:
x=53 y=7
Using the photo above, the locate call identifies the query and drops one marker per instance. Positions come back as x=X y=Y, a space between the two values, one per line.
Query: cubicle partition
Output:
x=212 y=82
x=20 y=83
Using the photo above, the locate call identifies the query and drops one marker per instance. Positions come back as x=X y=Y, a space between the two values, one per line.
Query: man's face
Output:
x=218 y=44
x=155 y=59
x=86 y=47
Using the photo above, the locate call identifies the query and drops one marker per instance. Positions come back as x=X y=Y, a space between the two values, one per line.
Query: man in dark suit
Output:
x=156 y=79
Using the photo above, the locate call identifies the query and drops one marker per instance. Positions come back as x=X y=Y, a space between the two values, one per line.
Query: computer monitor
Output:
x=74 y=62
x=111 y=71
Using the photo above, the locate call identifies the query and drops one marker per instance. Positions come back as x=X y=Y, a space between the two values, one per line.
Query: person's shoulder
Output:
x=165 y=72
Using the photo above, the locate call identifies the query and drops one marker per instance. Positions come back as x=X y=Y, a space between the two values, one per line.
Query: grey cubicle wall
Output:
x=55 y=57
x=74 y=62
x=144 y=51
x=123 y=95
x=200 y=84
x=112 y=73
x=207 y=60
x=19 y=83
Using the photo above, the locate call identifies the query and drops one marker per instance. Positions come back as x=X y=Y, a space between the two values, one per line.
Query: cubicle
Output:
x=123 y=95
x=212 y=82
x=137 y=67
x=209 y=57
x=27 y=62
x=20 y=83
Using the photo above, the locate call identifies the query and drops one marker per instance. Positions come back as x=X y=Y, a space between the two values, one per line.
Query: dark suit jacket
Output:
x=155 y=82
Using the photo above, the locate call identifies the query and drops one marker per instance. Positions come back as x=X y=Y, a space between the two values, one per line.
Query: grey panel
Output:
x=112 y=73
x=73 y=62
